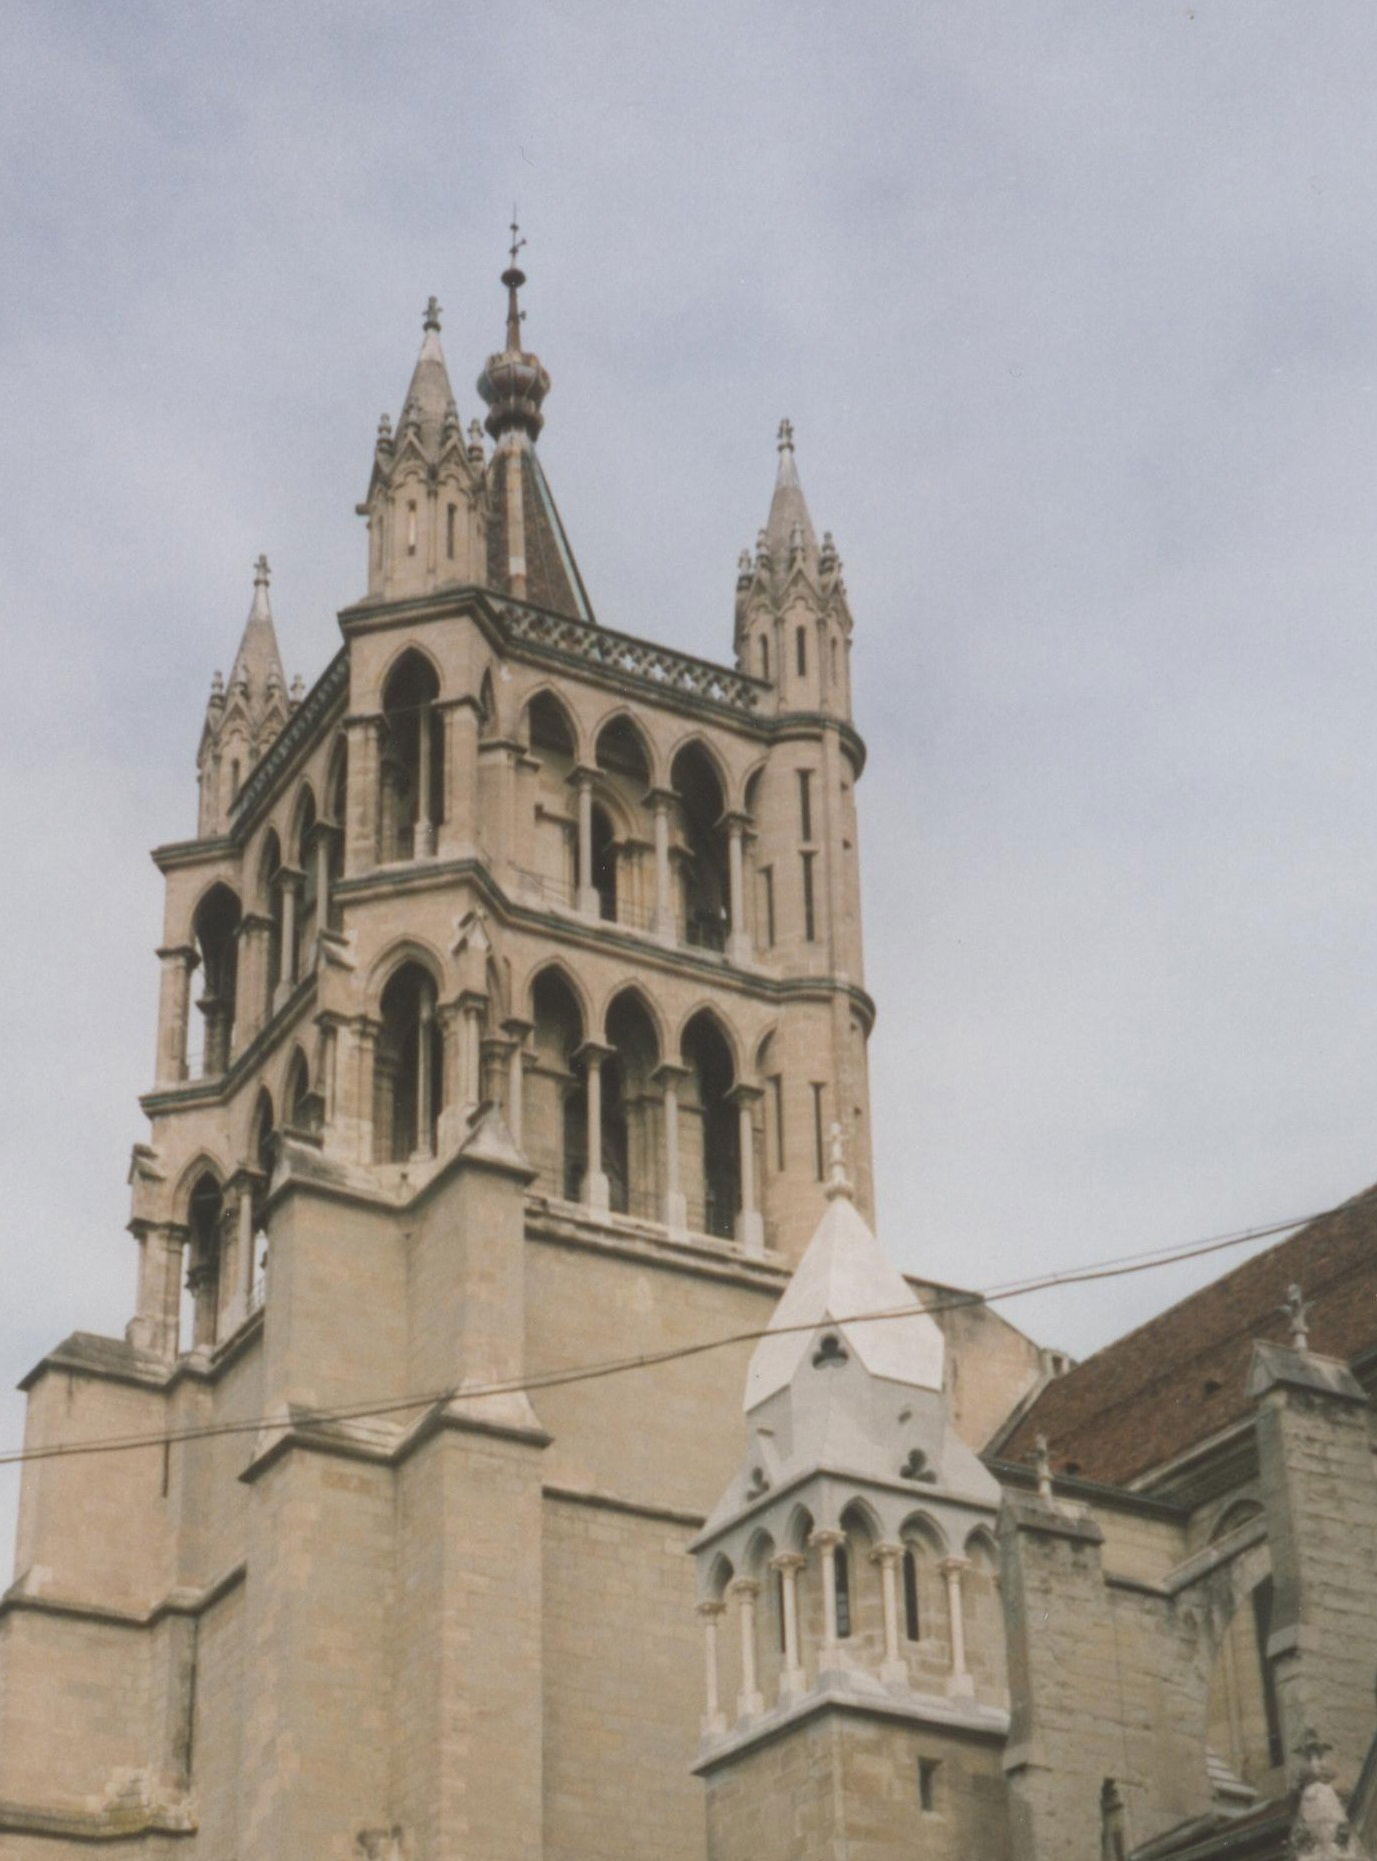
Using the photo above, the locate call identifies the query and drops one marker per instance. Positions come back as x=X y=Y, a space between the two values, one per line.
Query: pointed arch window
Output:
x=912 y=1623
x=841 y=1574
x=408 y=1072
x=411 y=765
x=215 y=933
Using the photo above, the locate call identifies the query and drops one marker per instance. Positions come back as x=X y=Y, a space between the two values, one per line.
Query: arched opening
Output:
x=487 y=705
x=301 y=1108
x=556 y=1098
x=553 y=745
x=620 y=752
x=704 y=868
x=630 y=1109
x=307 y=858
x=709 y=1129
x=984 y=1615
x=263 y=1155
x=205 y=1237
x=923 y=1599
x=407 y=1068
x=862 y=1618
x=215 y=932
x=763 y=653
x=411 y=760
x=604 y=863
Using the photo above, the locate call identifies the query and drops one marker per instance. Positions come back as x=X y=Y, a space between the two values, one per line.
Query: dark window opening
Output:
x=777 y=1095
x=451 y=513
x=801 y=651
x=911 y=1622
x=1262 y=1627
x=927 y=1783
x=805 y=803
x=810 y=918
x=819 y=1156
x=841 y=1570
x=604 y=865
x=764 y=657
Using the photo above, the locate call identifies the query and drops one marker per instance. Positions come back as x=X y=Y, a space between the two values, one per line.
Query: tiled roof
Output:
x=1180 y=1378
x=552 y=577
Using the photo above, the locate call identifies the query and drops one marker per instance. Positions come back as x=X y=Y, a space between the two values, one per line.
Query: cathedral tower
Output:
x=509 y=987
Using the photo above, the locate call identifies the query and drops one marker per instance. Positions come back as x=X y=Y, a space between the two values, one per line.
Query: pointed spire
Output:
x=789 y=528
x=257 y=665
x=430 y=398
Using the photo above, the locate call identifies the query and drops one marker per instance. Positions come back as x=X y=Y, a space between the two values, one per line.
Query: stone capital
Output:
x=745 y=1095
x=953 y=1566
x=669 y=1073
x=711 y=1610
x=593 y=1052
x=886 y=1553
x=788 y=1560
x=178 y=952
x=745 y=1587
x=826 y=1539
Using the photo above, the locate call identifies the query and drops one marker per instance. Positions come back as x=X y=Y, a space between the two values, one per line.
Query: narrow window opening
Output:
x=767 y=879
x=411 y=528
x=234 y=778
x=819 y=1159
x=841 y=1569
x=911 y=1622
x=927 y=1783
x=451 y=513
x=810 y=915
x=805 y=803
x=764 y=656
x=777 y=1094
x=1262 y=1628
x=801 y=651
x=779 y=1610
x=836 y=664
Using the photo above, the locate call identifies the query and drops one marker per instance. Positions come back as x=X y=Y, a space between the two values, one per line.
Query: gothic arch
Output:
x=336 y=789
x=557 y=967
x=860 y=1516
x=202 y=1164
x=708 y=1011
x=618 y=738
x=489 y=722
x=695 y=741
x=402 y=950
x=799 y=1529
x=920 y=1528
x=759 y=1550
x=544 y=706
x=633 y=991
x=409 y=654
x=304 y=815
x=720 y=1574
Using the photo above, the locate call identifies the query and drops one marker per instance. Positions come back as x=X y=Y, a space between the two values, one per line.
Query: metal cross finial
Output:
x=260 y=572
x=1296 y=1311
x=432 y=316
x=786 y=436
x=1042 y=1462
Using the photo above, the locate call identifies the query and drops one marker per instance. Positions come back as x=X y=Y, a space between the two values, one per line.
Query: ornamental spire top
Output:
x=514 y=384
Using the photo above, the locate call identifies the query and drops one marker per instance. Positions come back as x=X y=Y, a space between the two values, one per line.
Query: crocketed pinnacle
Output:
x=789 y=534
x=429 y=413
x=257 y=668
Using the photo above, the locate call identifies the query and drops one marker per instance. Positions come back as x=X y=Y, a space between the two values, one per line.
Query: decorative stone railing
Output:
x=655 y=666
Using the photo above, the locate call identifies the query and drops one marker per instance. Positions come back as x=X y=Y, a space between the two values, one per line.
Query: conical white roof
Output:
x=843 y=1273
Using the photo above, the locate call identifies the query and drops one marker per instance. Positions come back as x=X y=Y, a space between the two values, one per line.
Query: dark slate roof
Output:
x=552 y=576
x=1181 y=1377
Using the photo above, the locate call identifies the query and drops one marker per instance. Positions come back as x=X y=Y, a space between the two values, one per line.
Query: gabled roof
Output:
x=845 y=1270
x=1181 y=1377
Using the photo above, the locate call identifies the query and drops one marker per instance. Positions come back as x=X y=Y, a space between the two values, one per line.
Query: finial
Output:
x=795 y=541
x=1042 y=1463
x=475 y=441
x=762 y=547
x=1313 y=1750
x=432 y=316
x=217 y=689
x=1296 y=1311
x=838 y=1182
x=786 y=436
x=513 y=277
x=261 y=572
x=828 y=556
x=298 y=691
x=745 y=566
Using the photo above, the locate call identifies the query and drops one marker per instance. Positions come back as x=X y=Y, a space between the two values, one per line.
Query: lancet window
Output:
x=407 y=1068
x=710 y=1129
x=215 y=933
x=706 y=878
x=630 y=1109
x=557 y=1103
x=205 y=1239
x=411 y=760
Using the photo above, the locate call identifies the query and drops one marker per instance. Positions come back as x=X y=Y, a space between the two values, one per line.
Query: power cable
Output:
x=1113 y=1268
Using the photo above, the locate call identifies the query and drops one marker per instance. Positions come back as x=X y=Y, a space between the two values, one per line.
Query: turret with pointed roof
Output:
x=793 y=625
x=243 y=718
x=425 y=497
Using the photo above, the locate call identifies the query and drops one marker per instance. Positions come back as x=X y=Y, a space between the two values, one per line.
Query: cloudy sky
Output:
x=1074 y=308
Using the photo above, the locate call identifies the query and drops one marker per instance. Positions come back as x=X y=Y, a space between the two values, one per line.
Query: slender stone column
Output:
x=739 y=938
x=423 y=828
x=670 y=1077
x=289 y=879
x=366 y=1034
x=826 y=1542
x=749 y=1704
x=750 y=1223
x=241 y=1276
x=361 y=828
x=459 y=827
x=714 y=1722
x=321 y=854
x=252 y=1006
x=959 y=1682
x=425 y=1085
x=661 y=801
x=174 y=1011
x=474 y=1008
x=893 y=1669
x=791 y=1680
x=596 y=1189
x=586 y=898
x=518 y=1032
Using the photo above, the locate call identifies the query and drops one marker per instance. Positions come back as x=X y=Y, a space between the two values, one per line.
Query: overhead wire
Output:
x=1111 y=1268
